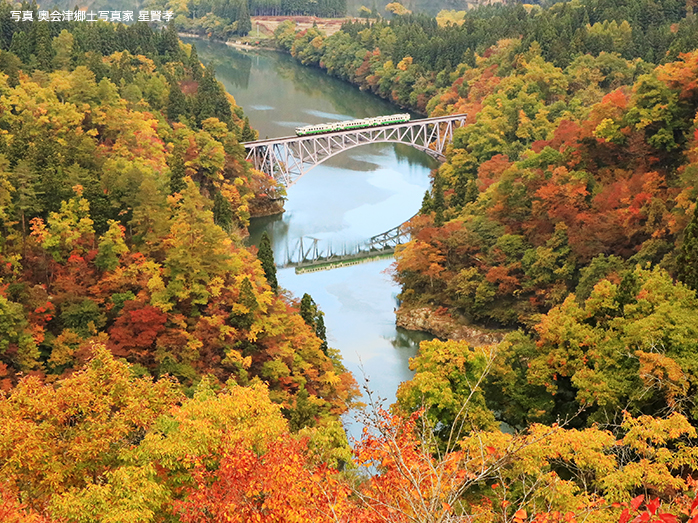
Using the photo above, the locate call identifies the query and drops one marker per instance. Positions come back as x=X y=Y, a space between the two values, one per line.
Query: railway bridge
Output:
x=287 y=159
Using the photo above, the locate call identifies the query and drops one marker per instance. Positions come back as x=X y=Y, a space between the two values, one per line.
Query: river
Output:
x=355 y=195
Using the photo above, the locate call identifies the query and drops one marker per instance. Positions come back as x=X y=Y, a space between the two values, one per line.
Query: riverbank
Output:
x=443 y=326
x=247 y=46
x=262 y=35
x=242 y=43
x=261 y=207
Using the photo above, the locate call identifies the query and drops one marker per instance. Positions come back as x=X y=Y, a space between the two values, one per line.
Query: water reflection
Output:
x=405 y=339
x=235 y=68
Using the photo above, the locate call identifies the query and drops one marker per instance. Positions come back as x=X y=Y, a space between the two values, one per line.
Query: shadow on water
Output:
x=405 y=339
x=345 y=98
x=275 y=226
x=414 y=157
x=236 y=70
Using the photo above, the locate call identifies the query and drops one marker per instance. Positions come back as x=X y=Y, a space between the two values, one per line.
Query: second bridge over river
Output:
x=311 y=255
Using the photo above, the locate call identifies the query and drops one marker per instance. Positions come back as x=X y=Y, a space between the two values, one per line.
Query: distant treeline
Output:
x=324 y=8
x=653 y=31
x=644 y=29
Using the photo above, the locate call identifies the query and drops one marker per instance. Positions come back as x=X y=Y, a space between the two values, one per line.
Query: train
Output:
x=349 y=125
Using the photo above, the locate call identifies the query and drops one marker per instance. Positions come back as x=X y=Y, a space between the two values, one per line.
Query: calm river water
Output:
x=360 y=193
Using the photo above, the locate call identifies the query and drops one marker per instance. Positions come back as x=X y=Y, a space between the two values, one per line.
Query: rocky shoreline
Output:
x=444 y=326
x=261 y=207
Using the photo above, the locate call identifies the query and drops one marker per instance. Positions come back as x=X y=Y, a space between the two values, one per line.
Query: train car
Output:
x=349 y=125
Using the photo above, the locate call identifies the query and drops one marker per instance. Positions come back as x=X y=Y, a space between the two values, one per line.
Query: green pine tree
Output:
x=247 y=297
x=304 y=413
x=469 y=58
x=195 y=64
x=427 y=204
x=321 y=331
x=460 y=191
x=266 y=257
x=21 y=46
x=223 y=214
x=44 y=46
x=169 y=43
x=687 y=259
x=26 y=197
x=176 y=102
x=243 y=321
x=314 y=317
x=248 y=135
x=627 y=291
x=177 y=173
x=471 y=192
x=244 y=22
x=439 y=202
x=211 y=100
x=308 y=310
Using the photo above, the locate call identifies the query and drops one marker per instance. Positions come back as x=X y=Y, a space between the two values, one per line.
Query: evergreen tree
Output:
x=244 y=321
x=44 y=46
x=7 y=26
x=22 y=46
x=195 y=64
x=439 y=202
x=247 y=297
x=687 y=259
x=10 y=65
x=314 y=317
x=427 y=204
x=265 y=254
x=460 y=190
x=469 y=58
x=248 y=135
x=627 y=290
x=223 y=214
x=176 y=102
x=244 y=22
x=177 y=173
x=211 y=100
x=27 y=204
x=471 y=192
x=321 y=331
x=308 y=310
x=303 y=414
x=169 y=43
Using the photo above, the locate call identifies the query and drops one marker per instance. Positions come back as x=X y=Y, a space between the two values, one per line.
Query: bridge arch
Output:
x=287 y=159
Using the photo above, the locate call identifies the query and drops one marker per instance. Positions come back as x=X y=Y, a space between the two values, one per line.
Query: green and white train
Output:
x=350 y=125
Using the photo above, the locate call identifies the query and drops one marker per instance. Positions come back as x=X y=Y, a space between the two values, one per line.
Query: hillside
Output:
x=125 y=198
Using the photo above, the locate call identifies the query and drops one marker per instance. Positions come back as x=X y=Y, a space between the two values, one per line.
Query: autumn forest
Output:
x=153 y=369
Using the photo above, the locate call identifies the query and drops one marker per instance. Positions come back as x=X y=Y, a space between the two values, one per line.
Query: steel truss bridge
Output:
x=314 y=256
x=287 y=159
